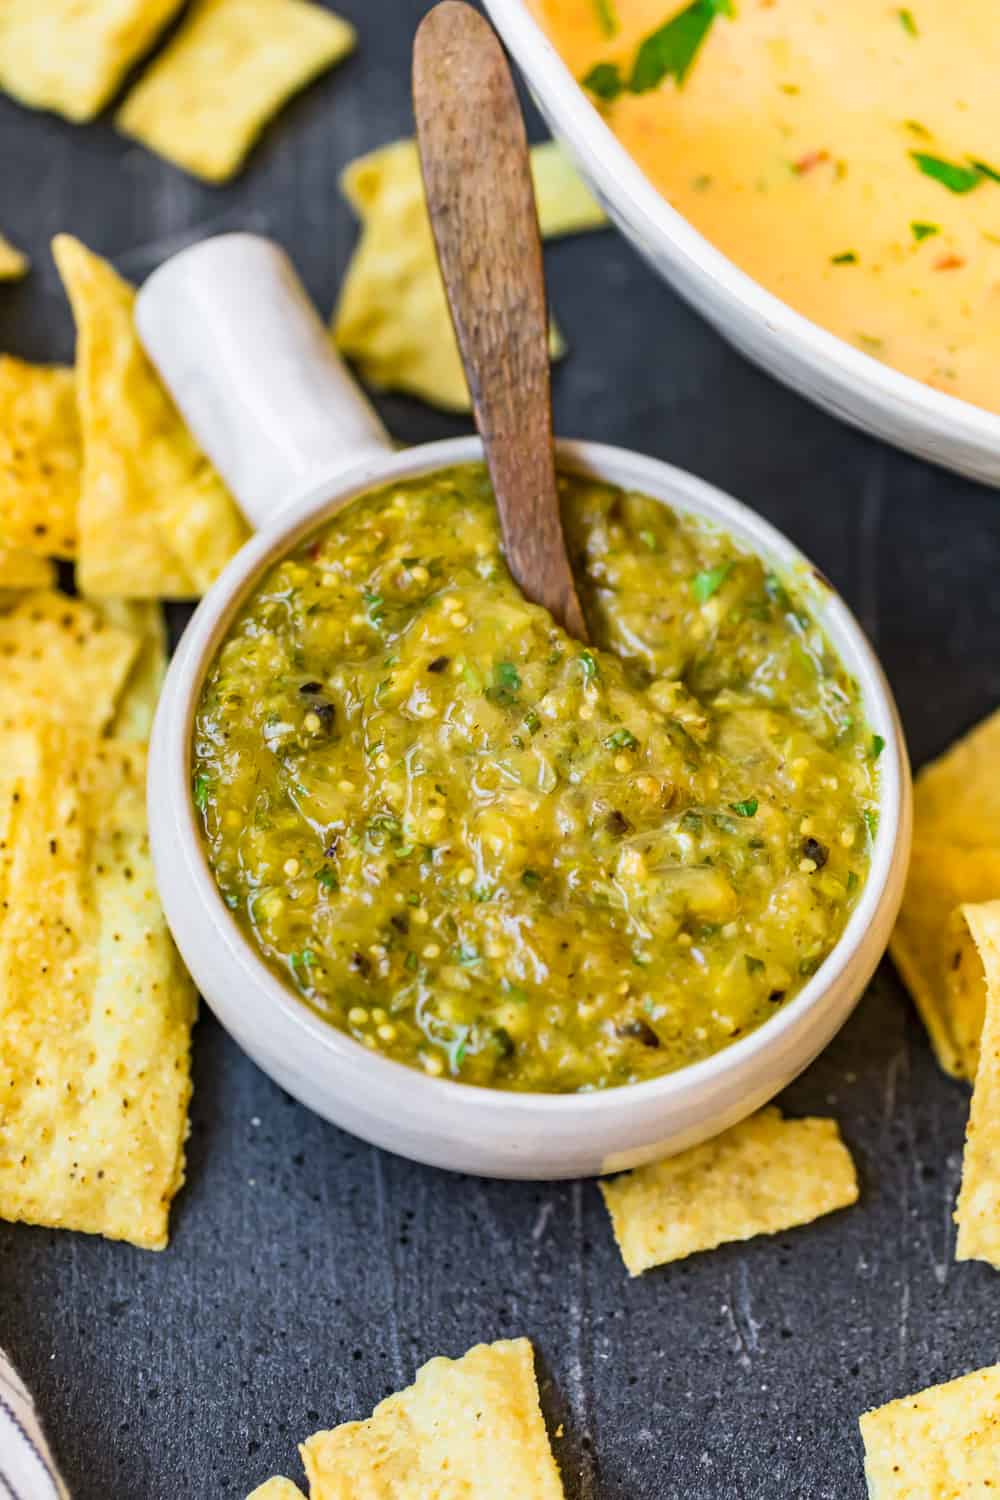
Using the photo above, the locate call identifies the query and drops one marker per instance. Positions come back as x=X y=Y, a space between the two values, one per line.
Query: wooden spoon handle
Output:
x=477 y=176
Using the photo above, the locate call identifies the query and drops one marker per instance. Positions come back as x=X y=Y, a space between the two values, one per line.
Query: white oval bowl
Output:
x=447 y=1124
x=844 y=380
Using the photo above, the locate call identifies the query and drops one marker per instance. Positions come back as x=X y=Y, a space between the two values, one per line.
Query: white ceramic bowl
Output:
x=845 y=381
x=235 y=339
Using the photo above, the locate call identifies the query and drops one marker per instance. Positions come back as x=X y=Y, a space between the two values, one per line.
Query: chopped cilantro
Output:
x=871 y=822
x=327 y=878
x=852 y=882
x=532 y=722
x=604 y=81
x=622 y=739
x=745 y=809
x=411 y=961
x=754 y=965
x=648 y=539
x=986 y=170
x=201 y=790
x=506 y=676
x=907 y=22
x=531 y=879
x=704 y=585
x=952 y=175
x=375 y=605
x=808 y=966
x=606 y=16
x=460 y=1050
x=922 y=231
x=669 y=51
x=588 y=662
x=877 y=746
x=845 y=258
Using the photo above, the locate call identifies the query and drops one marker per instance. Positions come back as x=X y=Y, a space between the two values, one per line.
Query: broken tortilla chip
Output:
x=232 y=65
x=277 y=1489
x=471 y=1427
x=762 y=1176
x=71 y=55
x=956 y=798
x=25 y=570
x=978 y=1211
x=930 y=950
x=13 y=263
x=937 y=1445
x=40 y=457
x=392 y=317
x=95 y=1007
x=155 y=520
x=136 y=706
x=60 y=660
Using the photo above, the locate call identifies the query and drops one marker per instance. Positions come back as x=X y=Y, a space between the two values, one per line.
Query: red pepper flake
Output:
x=811 y=159
x=949 y=262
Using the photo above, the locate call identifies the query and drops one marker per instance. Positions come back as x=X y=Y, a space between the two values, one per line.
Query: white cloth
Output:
x=27 y=1471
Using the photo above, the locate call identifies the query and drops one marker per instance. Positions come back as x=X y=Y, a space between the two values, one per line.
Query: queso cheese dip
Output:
x=845 y=153
x=486 y=850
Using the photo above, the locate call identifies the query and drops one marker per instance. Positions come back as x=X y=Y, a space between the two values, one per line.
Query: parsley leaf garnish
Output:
x=907 y=22
x=923 y=231
x=877 y=746
x=588 y=662
x=621 y=739
x=669 y=51
x=952 y=175
x=607 y=16
x=846 y=258
x=704 y=585
x=604 y=80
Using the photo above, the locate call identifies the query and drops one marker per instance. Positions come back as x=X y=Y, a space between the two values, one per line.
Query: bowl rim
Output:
x=175 y=831
x=622 y=181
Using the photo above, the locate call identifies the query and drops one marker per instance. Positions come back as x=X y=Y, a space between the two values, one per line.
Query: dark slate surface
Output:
x=308 y=1274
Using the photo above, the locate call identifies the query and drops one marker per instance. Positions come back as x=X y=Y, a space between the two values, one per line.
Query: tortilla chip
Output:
x=941 y=1444
x=277 y=1489
x=13 y=264
x=956 y=799
x=565 y=203
x=929 y=950
x=978 y=1211
x=469 y=1427
x=25 y=570
x=155 y=519
x=232 y=65
x=136 y=706
x=40 y=457
x=392 y=318
x=59 y=660
x=764 y=1175
x=71 y=55
x=95 y=1007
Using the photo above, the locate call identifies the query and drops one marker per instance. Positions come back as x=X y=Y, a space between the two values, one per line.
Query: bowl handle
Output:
x=229 y=327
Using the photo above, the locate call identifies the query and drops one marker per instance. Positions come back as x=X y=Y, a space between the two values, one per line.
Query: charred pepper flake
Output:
x=361 y=964
x=311 y=687
x=616 y=823
x=438 y=664
x=638 y=1030
x=813 y=850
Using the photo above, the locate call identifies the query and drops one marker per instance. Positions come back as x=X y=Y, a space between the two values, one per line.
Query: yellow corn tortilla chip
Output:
x=956 y=799
x=978 y=1211
x=565 y=203
x=764 y=1175
x=71 y=55
x=40 y=457
x=136 y=706
x=277 y=1489
x=392 y=317
x=25 y=570
x=60 y=660
x=95 y=1007
x=941 y=1444
x=232 y=65
x=13 y=263
x=155 y=520
x=927 y=947
x=468 y=1427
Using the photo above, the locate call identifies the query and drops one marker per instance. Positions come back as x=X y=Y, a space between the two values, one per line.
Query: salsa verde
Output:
x=488 y=851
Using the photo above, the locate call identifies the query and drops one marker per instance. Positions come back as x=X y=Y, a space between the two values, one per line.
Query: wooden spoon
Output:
x=474 y=155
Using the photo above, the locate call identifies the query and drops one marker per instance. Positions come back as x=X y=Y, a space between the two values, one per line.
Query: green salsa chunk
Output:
x=486 y=851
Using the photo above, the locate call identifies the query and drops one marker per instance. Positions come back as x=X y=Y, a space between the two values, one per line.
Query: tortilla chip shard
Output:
x=13 y=262
x=941 y=1444
x=142 y=619
x=956 y=798
x=155 y=519
x=392 y=316
x=930 y=946
x=70 y=55
x=203 y=102
x=25 y=570
x=95 y=1008
x=61 y=660
x=471 y=1427
x=762 y=1176
x=978 y=1212
x=40 y=457
x=277 y=1489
